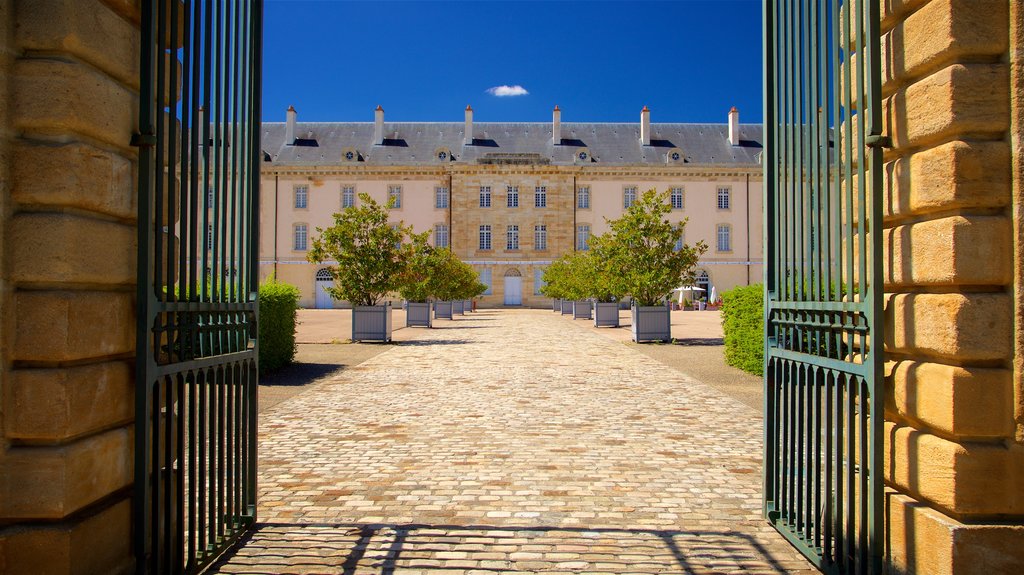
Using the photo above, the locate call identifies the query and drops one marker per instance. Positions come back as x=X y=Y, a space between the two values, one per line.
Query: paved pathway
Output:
x=512 y=442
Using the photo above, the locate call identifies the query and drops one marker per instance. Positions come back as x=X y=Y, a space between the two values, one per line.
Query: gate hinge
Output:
x=143 y=140
x=878 y=141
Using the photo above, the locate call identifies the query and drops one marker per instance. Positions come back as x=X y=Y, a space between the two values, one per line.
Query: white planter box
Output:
x=652 y=323
x=417 y=314
x=443 y=310
x=566 y=305
x=556 y=305
x=581 y=310
x=459 y=307
x=467 y=306
x=371 y=323
x=606 y=314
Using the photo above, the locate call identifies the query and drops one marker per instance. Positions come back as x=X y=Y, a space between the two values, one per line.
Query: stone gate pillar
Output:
x=69 y=78
x=953 y=96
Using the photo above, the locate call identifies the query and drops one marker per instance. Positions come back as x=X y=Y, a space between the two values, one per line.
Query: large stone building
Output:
x=509 y=198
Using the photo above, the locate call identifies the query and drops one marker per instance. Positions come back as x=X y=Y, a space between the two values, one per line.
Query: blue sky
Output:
x=600 y=61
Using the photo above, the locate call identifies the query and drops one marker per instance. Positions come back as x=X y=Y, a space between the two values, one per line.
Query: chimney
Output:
x=645 y=127
x=468 y=140
x=378 y=126
x=734 y=126
x=556 y=126
x=289 y=128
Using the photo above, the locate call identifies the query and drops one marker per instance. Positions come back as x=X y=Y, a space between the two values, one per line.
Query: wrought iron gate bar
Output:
x=823 y=280
x=195 y=452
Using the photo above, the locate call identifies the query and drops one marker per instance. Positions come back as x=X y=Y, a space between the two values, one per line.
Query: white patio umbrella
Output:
x=682 y=289
x=714 y=295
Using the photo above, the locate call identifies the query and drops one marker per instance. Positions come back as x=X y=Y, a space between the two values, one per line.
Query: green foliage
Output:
x=420 y=274
x=555 y=279
x=743 y=324
x=278 y=302
x=639 y=252
x=454 y=279
x=578 y=276
x=368 y=250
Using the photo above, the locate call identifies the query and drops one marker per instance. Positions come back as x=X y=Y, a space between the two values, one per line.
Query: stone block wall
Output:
x=69 y=78
x=954 y=460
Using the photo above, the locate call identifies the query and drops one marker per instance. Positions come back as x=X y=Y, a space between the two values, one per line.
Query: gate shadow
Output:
x=389 y=548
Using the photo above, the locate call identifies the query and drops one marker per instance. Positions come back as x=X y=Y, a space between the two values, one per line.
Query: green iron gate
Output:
x=195 y=427
x=823 y=280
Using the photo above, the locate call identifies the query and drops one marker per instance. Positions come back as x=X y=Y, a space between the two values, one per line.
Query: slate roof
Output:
x=415 y=143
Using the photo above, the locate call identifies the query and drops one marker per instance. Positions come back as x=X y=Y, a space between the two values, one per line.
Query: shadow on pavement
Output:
x=699 y=341
x=273 y=548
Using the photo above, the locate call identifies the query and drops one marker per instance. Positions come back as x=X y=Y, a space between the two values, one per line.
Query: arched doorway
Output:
x=513 y=287
x=704 y=283
x=323 y=281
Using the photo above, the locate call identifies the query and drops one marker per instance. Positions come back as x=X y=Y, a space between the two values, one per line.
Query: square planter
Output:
x=566 y=306
x=467 y=306
x=459 y=307
x=371 y=323
x=581 y=310
x=417 y=314
x=652 y=323
x=556 y=305
x=606 y=314
x=442 y=310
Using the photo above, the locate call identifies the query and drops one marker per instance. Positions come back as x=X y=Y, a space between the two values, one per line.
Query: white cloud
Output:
x=516 y=90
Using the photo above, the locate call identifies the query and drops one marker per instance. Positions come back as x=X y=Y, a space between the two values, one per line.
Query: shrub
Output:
x=743 y=324
x=278 y=303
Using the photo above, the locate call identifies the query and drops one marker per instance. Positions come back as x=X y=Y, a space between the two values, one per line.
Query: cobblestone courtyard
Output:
x=512 y=442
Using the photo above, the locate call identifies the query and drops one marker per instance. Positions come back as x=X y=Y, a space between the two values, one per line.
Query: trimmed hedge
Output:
x=743 y=324
x=278 y=304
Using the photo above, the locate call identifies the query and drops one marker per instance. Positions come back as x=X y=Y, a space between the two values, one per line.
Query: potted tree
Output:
x=580 y=284
x=640 y=251
x=416 y=284
x=556 y=284
x=369 y=256
x=603 y=287
x=454 y=282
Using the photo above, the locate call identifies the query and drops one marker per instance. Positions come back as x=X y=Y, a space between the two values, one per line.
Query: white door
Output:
x=323 y=299
x=513 y=291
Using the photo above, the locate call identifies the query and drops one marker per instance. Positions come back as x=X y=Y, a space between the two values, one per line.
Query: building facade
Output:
x=510 y=198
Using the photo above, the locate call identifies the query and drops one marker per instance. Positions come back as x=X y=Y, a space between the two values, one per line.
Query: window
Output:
x=395 y=196
x=723 y=198
x=441 y=235
x=398 y=242
x=724 y=242
x=540 y=197
x=440 y=197
x=485 y=196
x=209 y=237
x=513 y=196
x=583 y=237
x=485 y=237
x=628 y=196
x=301 y=197
x=583 y=198
x=677 y=198
x=485 y=278
x=512 y=238
x=538 y=280
x=209 y=197
x=540 y=237
x=348 y=197
x=679 y=243
x=301 y=235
